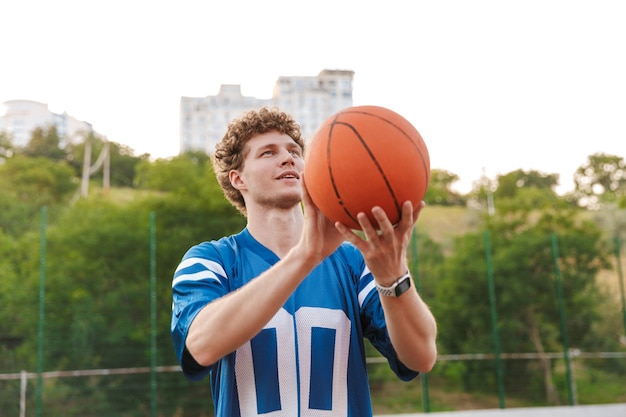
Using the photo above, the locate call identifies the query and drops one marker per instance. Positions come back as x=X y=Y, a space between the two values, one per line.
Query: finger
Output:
x=366 y=226
x=306 y=198
x=384 y=224
x=407 y=217
x=418 y=210
x=347 y=233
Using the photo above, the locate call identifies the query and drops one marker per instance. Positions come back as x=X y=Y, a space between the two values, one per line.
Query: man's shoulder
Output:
x=234 y=240
x=219 y=248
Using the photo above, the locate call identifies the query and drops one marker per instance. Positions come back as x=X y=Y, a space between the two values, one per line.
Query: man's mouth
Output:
x=289 y=175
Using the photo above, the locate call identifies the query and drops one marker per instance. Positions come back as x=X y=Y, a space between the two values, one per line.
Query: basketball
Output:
x=362 y=157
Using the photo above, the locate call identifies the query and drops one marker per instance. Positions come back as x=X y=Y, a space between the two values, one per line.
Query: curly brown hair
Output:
x=231 y=151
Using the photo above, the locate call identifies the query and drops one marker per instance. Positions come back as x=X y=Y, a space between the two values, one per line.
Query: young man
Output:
x=277 y=313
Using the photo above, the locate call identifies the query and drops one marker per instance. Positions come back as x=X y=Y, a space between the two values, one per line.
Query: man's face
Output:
x=271 y=172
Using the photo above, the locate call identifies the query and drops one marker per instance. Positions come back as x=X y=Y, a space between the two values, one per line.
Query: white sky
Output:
x=496 y=85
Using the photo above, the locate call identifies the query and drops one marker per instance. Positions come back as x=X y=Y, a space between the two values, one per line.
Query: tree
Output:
x=10 y=339
x=524 y=191
x=37 y=180
x=440 y=191
x=122 y=161
x=6 y=147
x=45 y=142
x=602 y=179
x=18 y=216
x=190 y=203
x=515 y=193
x=97 y=297
x=124 y=164
x=181 y=174
x=509 y=185
x=27 y=184
x=523 y=266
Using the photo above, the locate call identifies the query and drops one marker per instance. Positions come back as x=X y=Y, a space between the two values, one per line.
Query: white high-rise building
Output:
x=309 y=99
x=23 y=116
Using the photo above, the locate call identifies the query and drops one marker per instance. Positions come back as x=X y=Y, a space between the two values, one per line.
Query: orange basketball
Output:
x=362 y=157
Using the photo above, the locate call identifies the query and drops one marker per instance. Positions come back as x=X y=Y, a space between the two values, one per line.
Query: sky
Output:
x=491 y=85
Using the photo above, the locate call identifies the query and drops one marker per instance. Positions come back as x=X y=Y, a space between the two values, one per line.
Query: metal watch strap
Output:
x=399 y=287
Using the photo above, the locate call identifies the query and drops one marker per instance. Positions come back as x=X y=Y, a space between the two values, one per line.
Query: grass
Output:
x=443 y=224
x=597 y=387
x=392 y=396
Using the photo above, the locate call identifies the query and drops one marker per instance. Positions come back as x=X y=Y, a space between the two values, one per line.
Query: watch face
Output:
x=402 y=286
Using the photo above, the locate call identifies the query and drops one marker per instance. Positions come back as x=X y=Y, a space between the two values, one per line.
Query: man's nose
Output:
x=288 y=158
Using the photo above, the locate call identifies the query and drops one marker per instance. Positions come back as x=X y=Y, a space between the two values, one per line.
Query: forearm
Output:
x=412 y=329
x=226 y=323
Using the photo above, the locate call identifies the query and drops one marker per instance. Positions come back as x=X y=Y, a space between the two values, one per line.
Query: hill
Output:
x=444 y=223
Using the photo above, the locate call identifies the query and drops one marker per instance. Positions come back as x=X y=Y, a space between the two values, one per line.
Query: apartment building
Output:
x=309 y=99
x=23 y=116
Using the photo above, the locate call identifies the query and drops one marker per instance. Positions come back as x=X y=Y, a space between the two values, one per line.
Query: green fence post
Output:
x=620 y=277
x=561 y=302
x=153 y=310
x=42 y=295
x=423 y=375
x=494 y=319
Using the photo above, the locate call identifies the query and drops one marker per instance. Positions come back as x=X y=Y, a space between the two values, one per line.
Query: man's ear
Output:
x=236 y=180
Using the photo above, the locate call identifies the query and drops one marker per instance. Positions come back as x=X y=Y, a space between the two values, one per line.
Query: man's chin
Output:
x=286 y=201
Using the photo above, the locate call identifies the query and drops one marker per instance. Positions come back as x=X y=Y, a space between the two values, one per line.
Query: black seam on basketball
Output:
x=417 y=148
x=372 y=158
x=330 y=172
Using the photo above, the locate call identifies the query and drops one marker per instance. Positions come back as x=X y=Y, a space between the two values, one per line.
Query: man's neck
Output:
x=277 y=229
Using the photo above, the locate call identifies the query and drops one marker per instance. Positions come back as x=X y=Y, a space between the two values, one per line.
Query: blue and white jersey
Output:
x=309 y=360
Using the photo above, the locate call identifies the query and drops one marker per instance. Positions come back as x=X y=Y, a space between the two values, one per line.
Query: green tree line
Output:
x=97 y=265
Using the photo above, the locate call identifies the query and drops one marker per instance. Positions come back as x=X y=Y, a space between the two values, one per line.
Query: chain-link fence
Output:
x=48 y=372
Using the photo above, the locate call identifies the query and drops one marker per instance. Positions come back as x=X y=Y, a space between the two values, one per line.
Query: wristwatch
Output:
x=399 y=287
